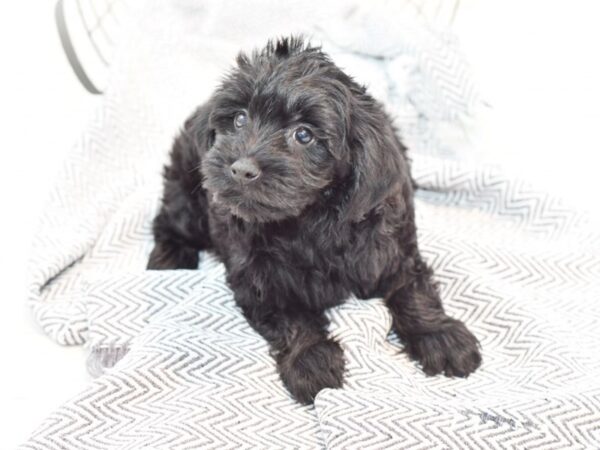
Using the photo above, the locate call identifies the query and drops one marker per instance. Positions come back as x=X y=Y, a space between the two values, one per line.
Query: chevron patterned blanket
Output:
x=177 y=365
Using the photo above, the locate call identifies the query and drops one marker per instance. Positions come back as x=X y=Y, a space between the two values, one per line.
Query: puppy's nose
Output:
x=245 y=170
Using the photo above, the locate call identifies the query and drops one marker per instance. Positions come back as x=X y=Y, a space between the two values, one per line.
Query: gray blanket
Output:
x=517 y=265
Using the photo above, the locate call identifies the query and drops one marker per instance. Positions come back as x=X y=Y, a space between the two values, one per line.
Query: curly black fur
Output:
x=307 y=224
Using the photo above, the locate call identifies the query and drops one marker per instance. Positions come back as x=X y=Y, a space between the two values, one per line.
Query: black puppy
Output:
x=294 y=176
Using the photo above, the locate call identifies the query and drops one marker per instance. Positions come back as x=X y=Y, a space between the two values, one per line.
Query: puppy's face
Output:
x=277 y=126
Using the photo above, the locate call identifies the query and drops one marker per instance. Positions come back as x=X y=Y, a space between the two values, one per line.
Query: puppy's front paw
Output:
x=165 y=257
x=452 y=350
x=306 y=371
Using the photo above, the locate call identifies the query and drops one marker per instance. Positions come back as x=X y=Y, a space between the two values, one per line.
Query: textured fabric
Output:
x=183 y=369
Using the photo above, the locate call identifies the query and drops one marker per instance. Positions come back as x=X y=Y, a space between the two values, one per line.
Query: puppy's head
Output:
x=285 y=127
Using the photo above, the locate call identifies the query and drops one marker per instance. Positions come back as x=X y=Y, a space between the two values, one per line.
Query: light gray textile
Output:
x=519 y=267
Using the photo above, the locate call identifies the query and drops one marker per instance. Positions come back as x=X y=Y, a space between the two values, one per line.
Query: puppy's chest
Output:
x=297 y=263
x=286 y=269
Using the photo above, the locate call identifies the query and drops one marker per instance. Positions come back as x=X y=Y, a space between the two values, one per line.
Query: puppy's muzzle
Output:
x=245 y=170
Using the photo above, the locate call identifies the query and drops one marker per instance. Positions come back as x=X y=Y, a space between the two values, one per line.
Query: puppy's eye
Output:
x=303 y=135
x=240 y=120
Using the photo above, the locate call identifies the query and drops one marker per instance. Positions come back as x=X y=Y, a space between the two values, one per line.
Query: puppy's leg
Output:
x=307 y=360
x=171 y=249
x=440 y=343
x=180 y=228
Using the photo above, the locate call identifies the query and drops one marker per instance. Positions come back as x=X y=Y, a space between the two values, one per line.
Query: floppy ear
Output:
x=197 y=129
x=189 y=148
x=377 y=157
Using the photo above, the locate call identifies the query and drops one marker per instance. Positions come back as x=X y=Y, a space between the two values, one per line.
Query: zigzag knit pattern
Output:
x=178 y=365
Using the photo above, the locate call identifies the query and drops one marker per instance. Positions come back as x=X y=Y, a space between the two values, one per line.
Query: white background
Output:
x=538 y=63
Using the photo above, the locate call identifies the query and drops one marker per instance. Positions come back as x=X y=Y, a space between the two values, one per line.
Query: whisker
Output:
x=198 y=186
x=195 y=168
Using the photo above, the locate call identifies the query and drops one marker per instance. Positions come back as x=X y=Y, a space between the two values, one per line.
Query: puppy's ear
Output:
x=377 y=159
x=193 y=141
x=197 y=128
